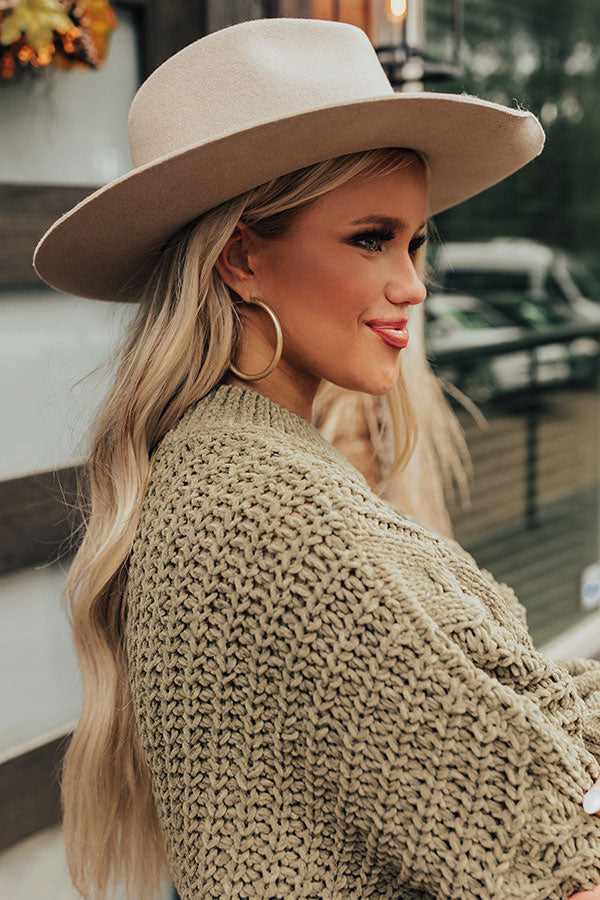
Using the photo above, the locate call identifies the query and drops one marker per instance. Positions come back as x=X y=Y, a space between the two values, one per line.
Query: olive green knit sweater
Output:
x=334 y=701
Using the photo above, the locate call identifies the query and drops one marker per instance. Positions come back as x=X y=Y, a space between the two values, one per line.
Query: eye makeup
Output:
x=417 y=242
x=382 y=235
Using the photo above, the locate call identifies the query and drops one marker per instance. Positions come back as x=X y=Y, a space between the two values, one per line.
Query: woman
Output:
x=291 y=689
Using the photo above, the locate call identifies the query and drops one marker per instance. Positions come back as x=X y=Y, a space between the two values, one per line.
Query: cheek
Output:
x=333 y=290
x=322 y=292
x=347 y=292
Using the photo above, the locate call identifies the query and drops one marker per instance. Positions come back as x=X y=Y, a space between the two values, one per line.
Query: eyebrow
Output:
x=386 y=221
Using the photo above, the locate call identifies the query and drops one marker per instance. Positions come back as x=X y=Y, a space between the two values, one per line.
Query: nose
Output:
x=407 y=287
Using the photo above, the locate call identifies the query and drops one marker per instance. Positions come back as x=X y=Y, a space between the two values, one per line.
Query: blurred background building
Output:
x=512 y=329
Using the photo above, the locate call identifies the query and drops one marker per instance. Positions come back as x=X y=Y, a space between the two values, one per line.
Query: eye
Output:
x=416 y=243
x=379 y=235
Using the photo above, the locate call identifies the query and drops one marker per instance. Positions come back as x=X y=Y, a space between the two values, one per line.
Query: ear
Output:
x=233 y=264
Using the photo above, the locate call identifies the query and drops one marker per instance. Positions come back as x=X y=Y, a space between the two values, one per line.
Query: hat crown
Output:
x=247 y=74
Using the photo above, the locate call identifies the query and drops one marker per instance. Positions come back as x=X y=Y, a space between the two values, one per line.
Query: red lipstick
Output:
x=391 y=331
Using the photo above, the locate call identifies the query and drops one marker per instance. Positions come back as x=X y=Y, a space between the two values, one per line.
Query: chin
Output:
x=377 y=387
x=380 y=390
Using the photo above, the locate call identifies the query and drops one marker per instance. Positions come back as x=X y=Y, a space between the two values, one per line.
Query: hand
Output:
x=590 y=797
x=594 y=893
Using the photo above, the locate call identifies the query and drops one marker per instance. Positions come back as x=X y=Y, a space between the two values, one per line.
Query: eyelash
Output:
x=384 y=234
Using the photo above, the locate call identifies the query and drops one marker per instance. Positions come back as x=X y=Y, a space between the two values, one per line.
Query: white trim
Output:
x=582 y=640
x=40 y=741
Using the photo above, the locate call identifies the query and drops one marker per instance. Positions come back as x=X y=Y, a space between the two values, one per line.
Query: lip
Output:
x=387 y=323
x=397 y=339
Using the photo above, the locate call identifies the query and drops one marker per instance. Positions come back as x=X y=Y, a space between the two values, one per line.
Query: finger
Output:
x=594 y=894
x=591 y=800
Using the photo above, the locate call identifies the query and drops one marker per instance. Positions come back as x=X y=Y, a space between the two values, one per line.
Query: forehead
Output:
x=401 y=194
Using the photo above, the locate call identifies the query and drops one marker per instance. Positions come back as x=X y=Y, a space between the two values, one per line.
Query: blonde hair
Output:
x=176 y=349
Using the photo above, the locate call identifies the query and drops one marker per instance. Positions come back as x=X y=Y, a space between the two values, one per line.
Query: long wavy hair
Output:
x=177 y=347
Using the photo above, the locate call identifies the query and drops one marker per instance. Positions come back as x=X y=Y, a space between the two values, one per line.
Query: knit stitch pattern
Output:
x=334 y=701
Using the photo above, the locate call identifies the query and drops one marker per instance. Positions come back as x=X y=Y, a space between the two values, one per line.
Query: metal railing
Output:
x=530 y=341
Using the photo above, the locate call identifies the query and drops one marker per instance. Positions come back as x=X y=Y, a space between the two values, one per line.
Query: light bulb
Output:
x=395 y=10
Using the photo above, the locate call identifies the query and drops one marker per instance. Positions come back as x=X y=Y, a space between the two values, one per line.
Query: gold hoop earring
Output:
x=278 y=348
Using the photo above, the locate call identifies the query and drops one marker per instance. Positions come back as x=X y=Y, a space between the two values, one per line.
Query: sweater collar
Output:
x=235 y=408
x=230 y=404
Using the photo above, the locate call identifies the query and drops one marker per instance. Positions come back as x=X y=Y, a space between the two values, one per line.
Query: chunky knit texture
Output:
x=334 y=701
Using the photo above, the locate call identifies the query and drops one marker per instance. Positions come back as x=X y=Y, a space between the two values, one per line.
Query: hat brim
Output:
x=96 y=249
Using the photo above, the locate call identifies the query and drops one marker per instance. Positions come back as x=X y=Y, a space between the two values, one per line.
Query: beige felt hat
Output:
x=249 y=103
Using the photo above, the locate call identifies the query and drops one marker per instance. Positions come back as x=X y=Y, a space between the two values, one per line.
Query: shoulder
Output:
x=259 y=485
x=252 y=465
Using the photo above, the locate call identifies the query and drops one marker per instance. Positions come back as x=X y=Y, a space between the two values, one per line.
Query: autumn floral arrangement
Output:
x=37 y=33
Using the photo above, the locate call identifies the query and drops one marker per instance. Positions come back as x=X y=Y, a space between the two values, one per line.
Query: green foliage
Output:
x=543 y=56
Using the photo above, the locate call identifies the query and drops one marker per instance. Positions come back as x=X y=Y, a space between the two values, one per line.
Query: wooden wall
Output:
x=38 y=512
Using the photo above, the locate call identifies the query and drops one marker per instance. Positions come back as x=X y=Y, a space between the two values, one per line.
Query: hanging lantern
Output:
x=397 y=30
x=398 y=35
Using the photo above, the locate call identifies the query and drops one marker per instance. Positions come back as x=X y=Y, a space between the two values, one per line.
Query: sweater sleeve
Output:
x=454 y=780
x=584 y=672
x=510 y=598
x=586 y=679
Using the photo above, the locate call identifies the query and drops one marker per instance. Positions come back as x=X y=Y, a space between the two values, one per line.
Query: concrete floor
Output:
x=36 y=869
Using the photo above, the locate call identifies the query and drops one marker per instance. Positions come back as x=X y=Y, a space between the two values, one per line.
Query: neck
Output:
x=295 y=393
